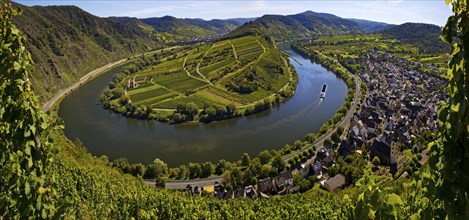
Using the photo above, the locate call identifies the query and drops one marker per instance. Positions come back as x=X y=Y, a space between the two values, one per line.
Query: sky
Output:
x=389 y=11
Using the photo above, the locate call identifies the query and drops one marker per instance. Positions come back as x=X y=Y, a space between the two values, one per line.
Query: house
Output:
x=304 y=170
x=266 y=186
x=328 y=161
x=227 y=195
x=338 y=181
x=283 y=180
x=321 y=155
x=239 y=193
x=316 y=168
x=216 y=186
x=250 y=192
x=345 y=148
x=386 y=154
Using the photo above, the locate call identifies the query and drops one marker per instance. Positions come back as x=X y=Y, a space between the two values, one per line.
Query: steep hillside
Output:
x=371 y=26
x=191 y=27
x=425 y=36
x=170 y=29
x=67 y=42
x=306 y=24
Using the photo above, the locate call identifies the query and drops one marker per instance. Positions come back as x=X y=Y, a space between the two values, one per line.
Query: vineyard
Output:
x=194 y=73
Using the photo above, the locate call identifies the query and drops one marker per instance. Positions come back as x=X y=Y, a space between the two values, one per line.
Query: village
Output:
x=400 y=106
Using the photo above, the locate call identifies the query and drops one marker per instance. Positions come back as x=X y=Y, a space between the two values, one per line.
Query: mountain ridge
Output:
x=306 y=24
x=425 y=36
x=66 y=42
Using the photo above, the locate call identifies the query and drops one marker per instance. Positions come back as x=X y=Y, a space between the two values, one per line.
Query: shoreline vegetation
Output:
x=203 y=83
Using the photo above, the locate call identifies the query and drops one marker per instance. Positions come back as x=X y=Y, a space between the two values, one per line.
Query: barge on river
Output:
x=323 y=91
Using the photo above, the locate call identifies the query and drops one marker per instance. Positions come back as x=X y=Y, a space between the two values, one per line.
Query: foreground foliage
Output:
x=24 y=145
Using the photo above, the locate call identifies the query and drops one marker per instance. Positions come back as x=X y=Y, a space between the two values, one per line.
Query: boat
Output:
x=323 y=91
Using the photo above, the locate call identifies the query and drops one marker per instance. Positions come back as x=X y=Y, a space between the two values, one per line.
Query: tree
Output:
x=245 y=160
x=278 y=163
x=249 y=178
x=26 y=181
x=123 y=164
x=160 y=182
x=265 y=156
x=236 y=177
x=231 y=109
x=160 y=166
x=255 y=166
x=138 y=169
x=194 y=170
x=298 y=144
x=207 y=169
x=335 y=137
x=304 y=184
x=182 y=172
x=190 y=110
x=265 y=171
x=221 y=167
x=150 y=172
x=328 y=142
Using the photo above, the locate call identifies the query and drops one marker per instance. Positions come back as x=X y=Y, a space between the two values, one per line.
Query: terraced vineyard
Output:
x=239 y=72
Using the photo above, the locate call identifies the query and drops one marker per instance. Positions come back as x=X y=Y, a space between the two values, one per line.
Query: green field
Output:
x=211 y=74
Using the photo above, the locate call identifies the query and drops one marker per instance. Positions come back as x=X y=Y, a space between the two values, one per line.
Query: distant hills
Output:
x=306 y=24
x=184 y=28
x=425 y=36
x=371 y=26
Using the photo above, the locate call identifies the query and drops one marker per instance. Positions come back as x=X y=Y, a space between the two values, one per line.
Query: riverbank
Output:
x=81 y=81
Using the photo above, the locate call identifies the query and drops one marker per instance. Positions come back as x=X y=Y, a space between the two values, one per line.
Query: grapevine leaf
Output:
x=27 y=188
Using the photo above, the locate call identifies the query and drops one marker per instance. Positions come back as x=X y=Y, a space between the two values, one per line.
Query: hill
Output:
x=371 y=26
x=235 y=76
x=66 y=42
x=184 y=29
x=425 y=36
x=306 y=24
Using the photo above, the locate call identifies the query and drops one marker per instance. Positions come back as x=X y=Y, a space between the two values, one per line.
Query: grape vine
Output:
x=24 y=147
x=450 y=154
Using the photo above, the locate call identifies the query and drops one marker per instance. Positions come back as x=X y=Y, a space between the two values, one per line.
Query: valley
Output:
x=127 y=116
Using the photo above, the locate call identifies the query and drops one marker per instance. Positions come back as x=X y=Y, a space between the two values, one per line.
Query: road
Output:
x=344 y=123
x=75 y=85
x=182 y=184
x=319 y=143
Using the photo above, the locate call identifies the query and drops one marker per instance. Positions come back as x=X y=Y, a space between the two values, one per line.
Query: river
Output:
x=107 y=133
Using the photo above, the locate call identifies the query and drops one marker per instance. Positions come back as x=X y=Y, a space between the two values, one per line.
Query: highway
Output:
x=182 y=184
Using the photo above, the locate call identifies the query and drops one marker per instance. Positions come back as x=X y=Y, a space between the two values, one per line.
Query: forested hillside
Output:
x=425 y=36
x=66 y=42
x=306 y=24
x=183 y=29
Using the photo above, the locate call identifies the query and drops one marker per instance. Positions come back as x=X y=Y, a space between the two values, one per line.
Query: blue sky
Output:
x=389 y=11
